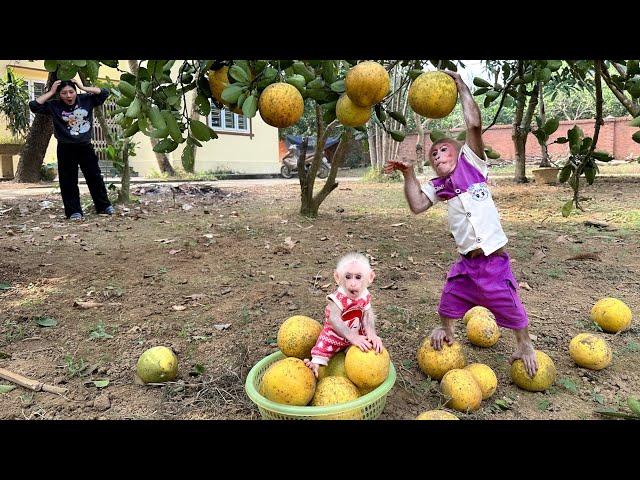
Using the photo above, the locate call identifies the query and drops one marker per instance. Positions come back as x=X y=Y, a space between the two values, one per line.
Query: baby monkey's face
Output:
x=354 y=278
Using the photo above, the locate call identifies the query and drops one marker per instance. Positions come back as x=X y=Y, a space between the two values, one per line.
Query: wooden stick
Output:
x=34 y=385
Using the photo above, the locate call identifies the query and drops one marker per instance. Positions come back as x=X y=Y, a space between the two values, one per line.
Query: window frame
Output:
x=248 y=132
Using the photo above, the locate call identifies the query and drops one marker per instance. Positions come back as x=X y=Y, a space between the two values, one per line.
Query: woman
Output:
x=72 y=116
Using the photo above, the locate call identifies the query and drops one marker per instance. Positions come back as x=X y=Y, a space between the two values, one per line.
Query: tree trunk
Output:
x=516 y=132
x=35 y=146
x=163 y=160
x=371 y=134
x=543 y=146
x=420 y=153
x=194 y=115
x=123 y=193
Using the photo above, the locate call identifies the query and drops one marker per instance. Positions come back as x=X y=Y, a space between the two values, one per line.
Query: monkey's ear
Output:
x=336 y=276
x=372 y=276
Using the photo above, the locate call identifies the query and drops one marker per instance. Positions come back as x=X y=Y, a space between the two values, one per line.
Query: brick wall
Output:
x=614 y=138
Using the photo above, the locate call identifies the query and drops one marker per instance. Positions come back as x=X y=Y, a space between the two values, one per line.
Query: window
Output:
x=35 y=89
x=223 y=120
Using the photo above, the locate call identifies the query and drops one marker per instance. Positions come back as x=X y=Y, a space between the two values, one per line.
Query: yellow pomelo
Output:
x=482 y=331
x=281 y=105
x=351 y=115
x=436 y=415
x=288 y=381
x=366 y=369
x=542 y=380
x=335 y=367
x=611 y=314
x=462 y=389
x=478 y=311
x=436 y=363
x=157 y=364
x=590 y=351
x=433 y=94
x=485 y=377
x=297 y=335
x=367 y=83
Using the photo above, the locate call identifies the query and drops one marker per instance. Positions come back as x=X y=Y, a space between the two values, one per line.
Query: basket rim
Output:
x=313 y=411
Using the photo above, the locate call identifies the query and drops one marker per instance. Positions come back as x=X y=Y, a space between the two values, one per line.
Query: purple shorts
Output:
x=485 y=281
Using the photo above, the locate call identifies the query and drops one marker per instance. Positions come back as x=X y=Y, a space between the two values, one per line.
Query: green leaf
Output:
x=46 y=321
x=586 y=145
x=239 y=74
x=436 y=135
x=602 y=156
x=634 y=405
x=575 y=138
x=481 y=82
x=203 y=105
x=415 y=73
x=297 y=81
x=380 y=113
x=396 y=135
x=231 y=93
x=635 y=122
x=554 y=65
x=590 y=174
x=566 y=208
x=480 y=91
x=51 y=65
x=633 y=68
x=165 y=146
x=502 y=404
x=338 y=86
x=568 y=384
x=93 y=68
x=398 y=117
x=636 y=137
x=200 y=131
x=301 y=69
x=462 y=136
x=66 y=72
x=543 y=405
x=5 y=286
x=157 y=120
x=101 y=383
x=316 y=83
x=561 y=140
x=250 y=106
x=6 y=388
x=198 y=369
x=598 y=398
x=79 y=63
x=551 y=126
x=492 y=94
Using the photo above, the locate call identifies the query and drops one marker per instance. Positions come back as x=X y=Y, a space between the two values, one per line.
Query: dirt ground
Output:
x=212 y=274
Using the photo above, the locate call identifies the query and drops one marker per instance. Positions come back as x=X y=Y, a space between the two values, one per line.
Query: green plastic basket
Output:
x=367 y=407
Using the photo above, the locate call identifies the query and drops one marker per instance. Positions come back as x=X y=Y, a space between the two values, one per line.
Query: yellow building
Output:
x=244 y=145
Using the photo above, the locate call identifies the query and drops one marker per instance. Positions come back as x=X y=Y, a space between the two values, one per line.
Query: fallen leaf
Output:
x=325 y=286
x=174 y=251
x=539 y=255
x=6 y=388
x=525 y=285
x=397 y=224
x=225 y=291
x=46 y=321
x=222 y=326
x=290 y=243
x=187 y=206
x=586 y=256
x=101 y=383
x=208 y=235
x=86 y=304
x=179 y=308
x=165 y=240
x=391 y=286
x=322 y=239
x=196 y=296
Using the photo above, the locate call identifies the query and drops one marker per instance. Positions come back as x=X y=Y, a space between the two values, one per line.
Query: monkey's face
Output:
x=354 y=278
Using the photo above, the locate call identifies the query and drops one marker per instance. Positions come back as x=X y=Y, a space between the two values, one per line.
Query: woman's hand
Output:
x=54 y=86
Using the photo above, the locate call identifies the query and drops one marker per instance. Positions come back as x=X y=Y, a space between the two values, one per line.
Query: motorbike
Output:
x=290 y=163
